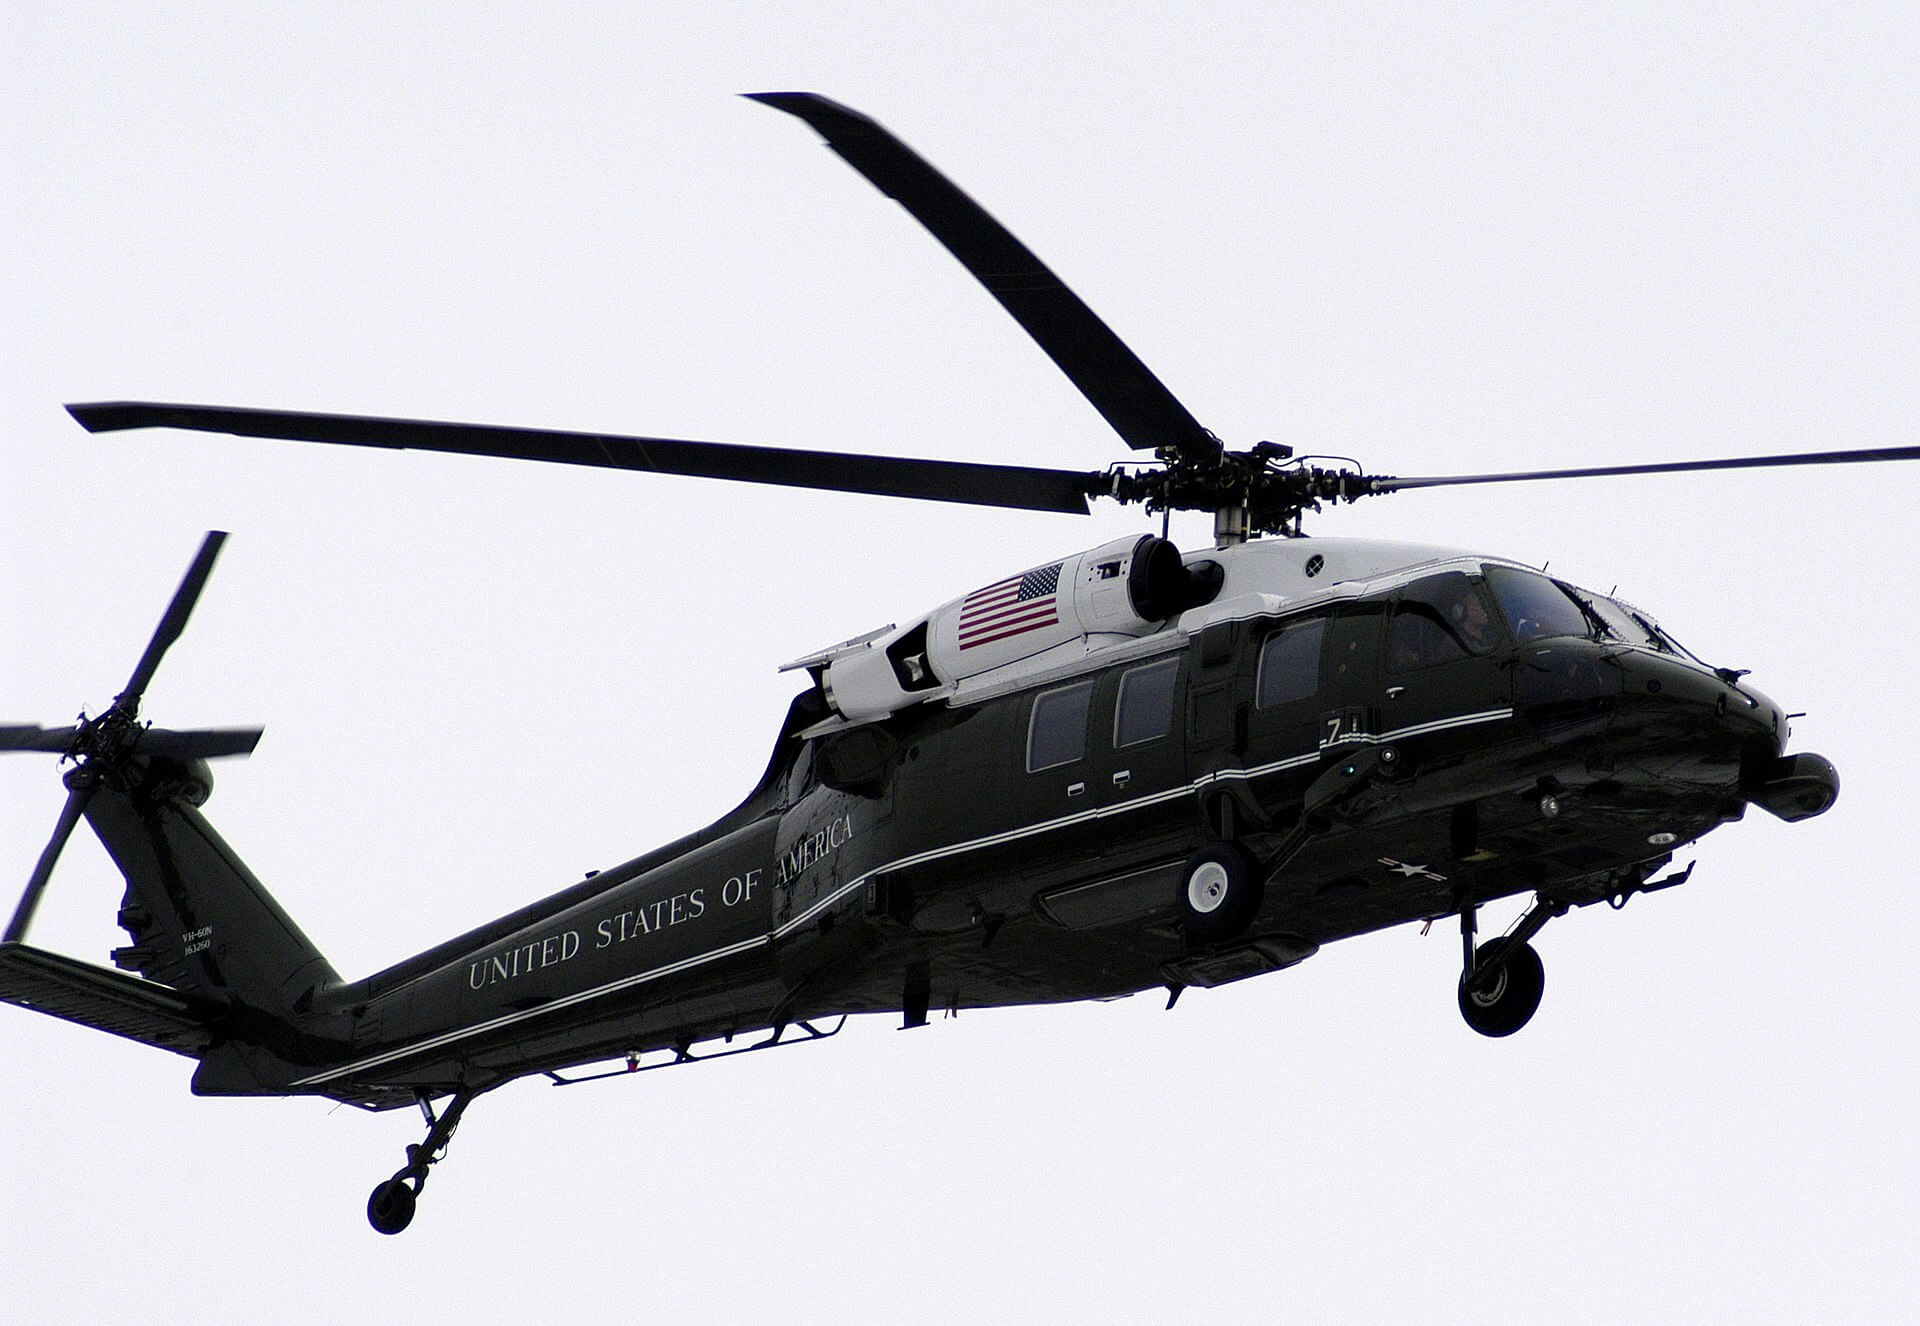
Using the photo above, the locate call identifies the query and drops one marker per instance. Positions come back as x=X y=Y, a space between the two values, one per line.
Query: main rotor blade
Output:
x=54 y=740
x=1015 y=486
x=200 y=743
x=174 y=621
x=1388 y=485
x=1121 y=387
x=77 y=799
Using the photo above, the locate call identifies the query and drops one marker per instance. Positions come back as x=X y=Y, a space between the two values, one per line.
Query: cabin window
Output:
x=1440 y=619
x=1290 y=663
x=1057 y=734
x=1536 y=607
x=1145 y=708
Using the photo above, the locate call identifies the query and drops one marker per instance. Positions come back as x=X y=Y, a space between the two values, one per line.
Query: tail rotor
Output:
x=99 y=746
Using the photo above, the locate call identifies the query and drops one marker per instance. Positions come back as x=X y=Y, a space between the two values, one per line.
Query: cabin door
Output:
x=1439 y=674
x=1349 y=703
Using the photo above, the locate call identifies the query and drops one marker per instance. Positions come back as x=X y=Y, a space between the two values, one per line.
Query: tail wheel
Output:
x=1498 y=1001
x=1220 y=893
x=390 y=1208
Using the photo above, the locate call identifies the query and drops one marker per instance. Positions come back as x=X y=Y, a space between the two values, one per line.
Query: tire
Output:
x=390 y=1208
x=1509 y=1002
x=1219 y=893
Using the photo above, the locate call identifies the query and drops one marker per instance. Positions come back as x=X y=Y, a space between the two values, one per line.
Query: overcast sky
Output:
x=1438 y=238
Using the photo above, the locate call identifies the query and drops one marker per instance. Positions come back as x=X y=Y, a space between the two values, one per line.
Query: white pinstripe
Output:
x=919 y=858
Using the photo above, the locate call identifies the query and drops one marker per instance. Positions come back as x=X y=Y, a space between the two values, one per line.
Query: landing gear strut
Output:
x=390 y=1208
x=1503 y=979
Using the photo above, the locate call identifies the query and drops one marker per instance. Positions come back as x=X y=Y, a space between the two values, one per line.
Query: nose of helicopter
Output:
x=1719 y=709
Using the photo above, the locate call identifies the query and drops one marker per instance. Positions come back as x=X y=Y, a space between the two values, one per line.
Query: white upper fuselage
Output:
x=1064 y=617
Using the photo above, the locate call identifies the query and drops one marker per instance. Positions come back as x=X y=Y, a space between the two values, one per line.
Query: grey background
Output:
x=1436 y=237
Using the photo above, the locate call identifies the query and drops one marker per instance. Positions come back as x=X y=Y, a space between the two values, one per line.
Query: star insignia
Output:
x=1407 y=870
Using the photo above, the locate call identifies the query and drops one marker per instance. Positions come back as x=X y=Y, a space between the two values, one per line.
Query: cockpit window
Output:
x=1536 y=607
x=1437 y=620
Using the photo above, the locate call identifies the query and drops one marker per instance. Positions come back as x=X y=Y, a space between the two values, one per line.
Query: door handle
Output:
x=1075 y=789
x=1120 y=779
x=1394 y=690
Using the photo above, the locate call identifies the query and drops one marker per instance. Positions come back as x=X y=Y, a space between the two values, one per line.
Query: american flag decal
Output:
x=1012 y=607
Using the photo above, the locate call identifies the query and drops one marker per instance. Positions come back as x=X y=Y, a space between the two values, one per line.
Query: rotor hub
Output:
x=1261 y=490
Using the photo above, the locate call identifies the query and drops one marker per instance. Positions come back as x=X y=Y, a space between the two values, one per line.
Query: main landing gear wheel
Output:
x=1499 y=1000
x=1220 y=893
x=390 y=1209
x=390 y=1206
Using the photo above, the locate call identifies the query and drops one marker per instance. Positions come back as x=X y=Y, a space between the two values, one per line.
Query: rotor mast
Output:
x=1232 y=526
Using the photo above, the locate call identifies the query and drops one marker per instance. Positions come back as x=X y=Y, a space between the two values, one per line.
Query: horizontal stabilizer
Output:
x=102 y=999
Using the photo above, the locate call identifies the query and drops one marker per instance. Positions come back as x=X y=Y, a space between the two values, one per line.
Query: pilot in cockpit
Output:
x=1472 y=624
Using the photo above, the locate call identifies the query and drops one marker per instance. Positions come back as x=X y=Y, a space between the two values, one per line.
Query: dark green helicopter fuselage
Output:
x=922 y=861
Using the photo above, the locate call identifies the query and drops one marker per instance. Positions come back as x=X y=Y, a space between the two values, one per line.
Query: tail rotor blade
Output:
x=76 y=806
x=174 y=621
x=202 y=743
x=54 y=740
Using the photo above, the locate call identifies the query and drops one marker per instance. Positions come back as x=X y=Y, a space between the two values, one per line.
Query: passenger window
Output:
x=1144 y=710
x=1438 y=620
x=1290 y=663
x=1536 y=607
x=1058 y=732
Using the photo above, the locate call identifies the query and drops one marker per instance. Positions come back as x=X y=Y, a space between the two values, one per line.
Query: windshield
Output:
x=1622 y=623
x=1536 y=607
x=1539 y=607
x=1661 y=640
x=1628 y=624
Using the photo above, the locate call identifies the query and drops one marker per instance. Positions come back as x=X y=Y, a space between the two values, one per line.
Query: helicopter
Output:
x=1131 y=768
